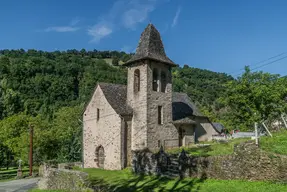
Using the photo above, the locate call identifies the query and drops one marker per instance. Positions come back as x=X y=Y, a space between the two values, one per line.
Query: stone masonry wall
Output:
x=204 y=129
x=63 y=179
x=105 y=132
x=138 y=102
x=167 y=131
x=247 y=162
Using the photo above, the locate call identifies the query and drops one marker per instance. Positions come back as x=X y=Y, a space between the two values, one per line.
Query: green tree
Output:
x=254 y=97
x=115 y=61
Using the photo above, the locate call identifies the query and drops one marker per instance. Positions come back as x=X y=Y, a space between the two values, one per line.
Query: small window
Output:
x=137 y=80
x=155 y=80
x=160 y=115
x=158 y=143
x=98 y=114
x=163 y=81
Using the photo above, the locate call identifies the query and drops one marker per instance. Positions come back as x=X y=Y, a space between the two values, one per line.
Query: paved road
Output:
x=20 y=185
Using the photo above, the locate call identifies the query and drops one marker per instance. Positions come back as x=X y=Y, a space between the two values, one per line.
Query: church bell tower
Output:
x=149 y=91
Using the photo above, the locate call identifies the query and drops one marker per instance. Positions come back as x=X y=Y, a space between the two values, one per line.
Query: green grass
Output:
x=42 y=190
x=215 y=148
x=276 y=144
x=6 y=175
x=125 y=181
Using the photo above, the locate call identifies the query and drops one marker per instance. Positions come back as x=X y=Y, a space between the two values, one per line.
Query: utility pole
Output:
x=31 y=151
x=283 y=118
x=256 y=133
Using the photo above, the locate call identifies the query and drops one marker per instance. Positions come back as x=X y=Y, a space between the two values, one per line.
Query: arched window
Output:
x=137 y=80
x=163 y=81
x=155 y=80
x=100 y=156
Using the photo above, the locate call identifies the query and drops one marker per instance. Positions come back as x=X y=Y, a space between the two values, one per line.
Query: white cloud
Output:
x=99 y=31
x=174 y=22
x=75 y=21
x=123 y=13
x=61 y=29
x=67 y=28
x=137 y=13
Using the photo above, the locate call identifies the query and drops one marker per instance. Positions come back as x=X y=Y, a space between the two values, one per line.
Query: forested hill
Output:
x=40 y=82
x=49 y=89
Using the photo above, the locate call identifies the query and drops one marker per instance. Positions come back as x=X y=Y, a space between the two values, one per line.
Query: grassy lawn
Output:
x=39 y=190
x=125 y=181
x=11 y=173
x=110 y=60
x=215 y=148
x=276 y=144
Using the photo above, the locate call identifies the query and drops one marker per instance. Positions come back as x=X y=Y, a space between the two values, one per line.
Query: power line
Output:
x=268 y=63
x=265 y=64
x=260 y=62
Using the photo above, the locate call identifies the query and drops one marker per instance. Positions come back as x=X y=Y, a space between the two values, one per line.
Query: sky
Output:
x=222 y=35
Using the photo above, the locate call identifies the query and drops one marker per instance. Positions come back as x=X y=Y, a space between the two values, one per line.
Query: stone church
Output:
x=145 y=113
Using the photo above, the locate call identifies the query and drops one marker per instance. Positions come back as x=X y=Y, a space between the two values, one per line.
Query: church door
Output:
x=100 y=153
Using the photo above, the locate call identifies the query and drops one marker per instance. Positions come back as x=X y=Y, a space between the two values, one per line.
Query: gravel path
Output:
x=20 y=185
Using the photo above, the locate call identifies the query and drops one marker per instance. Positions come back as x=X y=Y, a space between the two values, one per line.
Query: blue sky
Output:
x=221 y=35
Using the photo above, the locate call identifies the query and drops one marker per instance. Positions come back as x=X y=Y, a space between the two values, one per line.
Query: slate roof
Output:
x=150 y=47
x=185 y=120
x=218 y=127
x=182 y=107
x=116 y=95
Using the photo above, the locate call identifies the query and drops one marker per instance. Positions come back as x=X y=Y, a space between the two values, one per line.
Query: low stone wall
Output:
x=247 y=162
x=63 y=179
x=69 y=165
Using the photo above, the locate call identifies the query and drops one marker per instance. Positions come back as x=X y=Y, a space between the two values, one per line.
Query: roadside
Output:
x=20 y=185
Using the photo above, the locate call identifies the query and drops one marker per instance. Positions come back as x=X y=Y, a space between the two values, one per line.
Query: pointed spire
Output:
x=150 y=47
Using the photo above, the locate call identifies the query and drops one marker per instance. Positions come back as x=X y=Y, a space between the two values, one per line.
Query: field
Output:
x=276 y=144
x=211 y=149
x=125 y=181
x=11 y=173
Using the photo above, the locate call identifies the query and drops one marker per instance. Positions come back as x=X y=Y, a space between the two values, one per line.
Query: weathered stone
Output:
x=62 y=179
x=143 y=114
x=247 y=162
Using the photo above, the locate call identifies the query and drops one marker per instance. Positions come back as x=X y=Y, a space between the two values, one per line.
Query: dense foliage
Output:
x=48 y=90
x=253 y=97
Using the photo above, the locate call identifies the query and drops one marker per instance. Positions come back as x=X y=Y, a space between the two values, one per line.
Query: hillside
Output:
x=49 y=89
x=41 y=82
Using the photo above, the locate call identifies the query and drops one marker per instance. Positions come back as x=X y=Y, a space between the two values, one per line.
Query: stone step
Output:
x=173 y=167
x=170 y=175
x=172 y=171
x=174 y=162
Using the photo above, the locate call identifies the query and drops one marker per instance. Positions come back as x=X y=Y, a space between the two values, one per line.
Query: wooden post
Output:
x=256 y=133
x=284 y=121
x=31 y=151
x=266 y=129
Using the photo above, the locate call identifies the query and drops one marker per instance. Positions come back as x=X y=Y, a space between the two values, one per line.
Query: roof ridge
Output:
x=150 y=46
x=149 y=37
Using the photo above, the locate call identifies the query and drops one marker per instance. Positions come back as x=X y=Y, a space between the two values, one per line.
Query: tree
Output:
x=115 y=61
x=68 y=128
x=254 y=97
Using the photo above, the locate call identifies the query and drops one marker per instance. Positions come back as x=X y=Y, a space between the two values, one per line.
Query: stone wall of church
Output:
x=158 y=133
x=138 y=102
x=204 y=129
x=105 y=132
